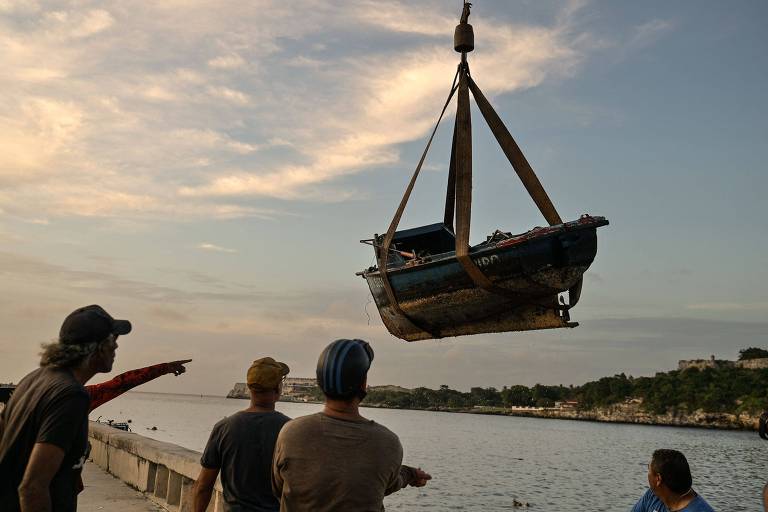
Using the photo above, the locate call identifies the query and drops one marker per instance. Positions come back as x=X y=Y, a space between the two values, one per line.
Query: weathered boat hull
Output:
x=441 y=300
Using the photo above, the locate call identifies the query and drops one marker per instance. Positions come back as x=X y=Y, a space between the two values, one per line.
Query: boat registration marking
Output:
x=487 y=261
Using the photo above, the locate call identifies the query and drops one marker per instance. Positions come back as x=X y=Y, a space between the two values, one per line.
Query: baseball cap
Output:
x=266 y=373
x=91 y=324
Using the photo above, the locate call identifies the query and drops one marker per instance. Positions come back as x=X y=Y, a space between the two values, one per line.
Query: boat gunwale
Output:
x=477 y=250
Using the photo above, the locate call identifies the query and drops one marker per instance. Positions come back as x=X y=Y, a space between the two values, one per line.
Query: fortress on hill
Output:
x=299 y=389
x=292 y=386
x=750 y=364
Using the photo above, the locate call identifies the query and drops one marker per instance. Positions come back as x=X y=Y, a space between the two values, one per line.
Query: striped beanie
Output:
x=342 y=368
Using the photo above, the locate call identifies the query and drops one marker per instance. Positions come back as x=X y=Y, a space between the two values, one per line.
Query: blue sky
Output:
x=207 y=172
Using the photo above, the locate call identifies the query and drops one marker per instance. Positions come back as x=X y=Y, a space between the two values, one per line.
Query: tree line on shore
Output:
x=719 y=389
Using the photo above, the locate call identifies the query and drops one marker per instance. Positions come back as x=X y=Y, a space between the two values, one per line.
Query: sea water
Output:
x=484 y=463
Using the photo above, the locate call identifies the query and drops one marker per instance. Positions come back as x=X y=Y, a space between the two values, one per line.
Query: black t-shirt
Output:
x=242 y=445
x=48 y=406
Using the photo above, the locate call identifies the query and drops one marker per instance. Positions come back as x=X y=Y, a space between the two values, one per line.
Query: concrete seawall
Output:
x=164 y=472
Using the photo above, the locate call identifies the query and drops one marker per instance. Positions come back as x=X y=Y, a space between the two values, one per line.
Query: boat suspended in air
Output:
x=430 y=283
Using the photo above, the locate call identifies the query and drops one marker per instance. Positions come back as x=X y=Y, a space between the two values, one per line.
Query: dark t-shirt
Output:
x=242 y=445
x=48 y=406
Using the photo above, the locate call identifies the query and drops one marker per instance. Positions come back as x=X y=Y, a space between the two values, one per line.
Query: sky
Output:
x=206 y=170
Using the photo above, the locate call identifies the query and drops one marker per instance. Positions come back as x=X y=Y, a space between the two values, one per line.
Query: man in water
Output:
x=44 y=427
x=336 y=459
x=241 y=446
x=670 y=482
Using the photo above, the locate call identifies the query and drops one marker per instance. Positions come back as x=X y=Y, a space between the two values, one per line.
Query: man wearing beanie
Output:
x=336 y=460
x=241 y=446
x=44 y=426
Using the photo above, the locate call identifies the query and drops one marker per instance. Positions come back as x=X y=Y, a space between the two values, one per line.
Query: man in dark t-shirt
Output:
x=241 y=446
x=44 y=426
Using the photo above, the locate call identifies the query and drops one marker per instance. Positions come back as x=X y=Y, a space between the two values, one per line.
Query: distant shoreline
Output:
x=623 y=414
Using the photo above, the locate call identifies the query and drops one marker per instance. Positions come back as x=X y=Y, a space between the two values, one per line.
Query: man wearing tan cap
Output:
x=241 y=446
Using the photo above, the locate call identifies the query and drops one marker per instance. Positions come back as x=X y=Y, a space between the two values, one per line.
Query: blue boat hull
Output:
x=439 y=298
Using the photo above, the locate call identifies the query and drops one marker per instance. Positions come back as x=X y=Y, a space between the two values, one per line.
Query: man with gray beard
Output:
x=44 y=426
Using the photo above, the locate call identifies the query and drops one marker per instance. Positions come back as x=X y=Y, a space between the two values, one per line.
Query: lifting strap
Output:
x=385 y=249
x=463 y=137
x=450 y=192
x=515 y=157
x=524 y=172
x=463 y=180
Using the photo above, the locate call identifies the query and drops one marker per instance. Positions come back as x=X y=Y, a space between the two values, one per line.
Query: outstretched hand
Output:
x=420 y=478
x=177 y=367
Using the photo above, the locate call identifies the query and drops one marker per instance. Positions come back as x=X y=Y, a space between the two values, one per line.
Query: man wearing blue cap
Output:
x=336 y=459
x=44 y=426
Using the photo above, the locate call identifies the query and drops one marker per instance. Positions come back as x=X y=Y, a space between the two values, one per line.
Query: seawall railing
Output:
x=164 y=472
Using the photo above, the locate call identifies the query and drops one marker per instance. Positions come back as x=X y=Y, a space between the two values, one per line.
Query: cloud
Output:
x=729 y=306
x=214 y=248
x=34 y=271
x=34 y=136
x=383 y=110
x=400 y=17
x=168 y=314
x=90 y=23
x=648 y=33
x=172 y=116
x=240 y=305
x=231 y=95
x=232 y=61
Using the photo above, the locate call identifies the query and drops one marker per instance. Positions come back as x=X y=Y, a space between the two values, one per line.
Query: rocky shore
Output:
x=632 y=413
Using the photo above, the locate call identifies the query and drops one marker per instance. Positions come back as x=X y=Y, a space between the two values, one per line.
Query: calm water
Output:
x=484 y=462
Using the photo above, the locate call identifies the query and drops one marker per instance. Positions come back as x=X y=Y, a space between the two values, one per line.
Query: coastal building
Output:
x=298 y=388
x=390 y=388
x=298 y=385
x=751 y=364
x=304 y=389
